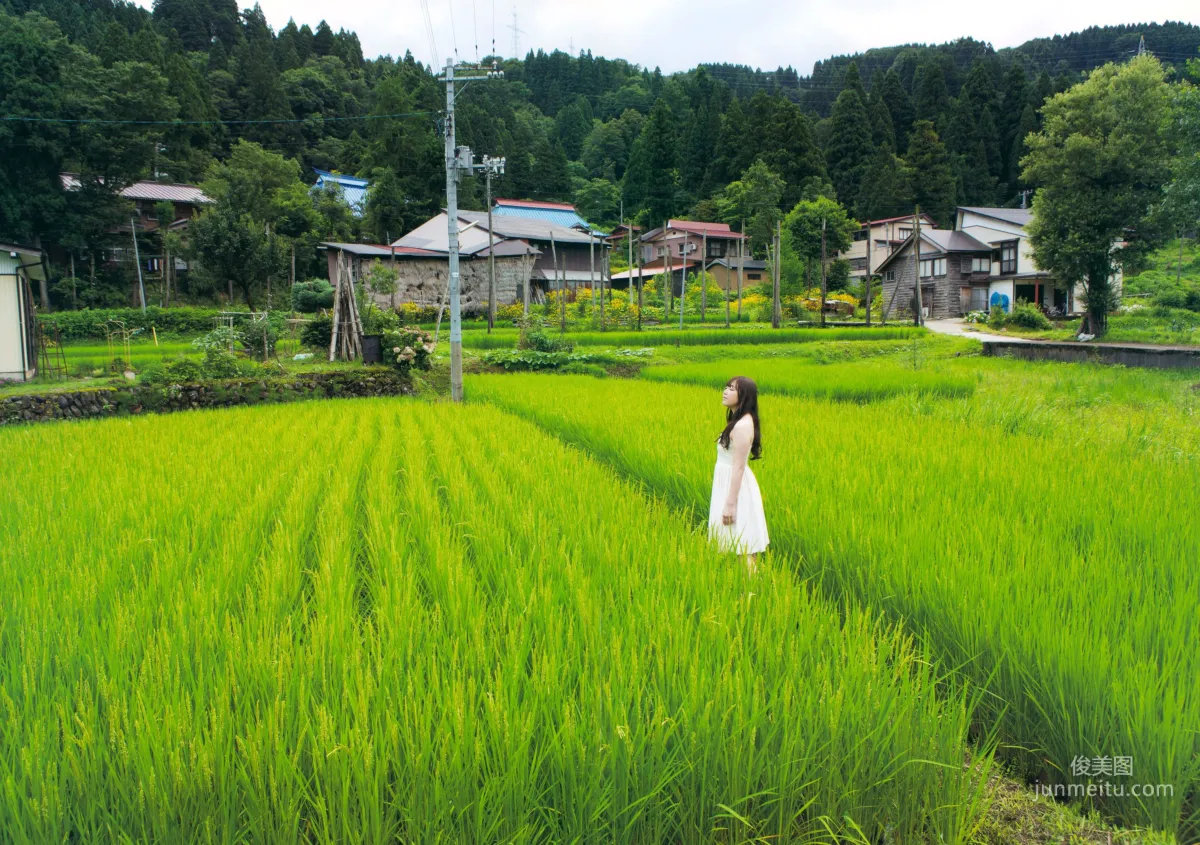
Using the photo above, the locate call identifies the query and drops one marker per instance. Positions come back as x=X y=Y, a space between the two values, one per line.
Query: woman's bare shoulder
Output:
x=745 y=425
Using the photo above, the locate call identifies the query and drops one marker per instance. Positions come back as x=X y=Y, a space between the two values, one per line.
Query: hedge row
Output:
x=90 y=323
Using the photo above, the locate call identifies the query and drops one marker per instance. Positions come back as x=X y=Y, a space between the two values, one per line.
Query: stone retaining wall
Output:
x=1130 y=356
x=118 y=401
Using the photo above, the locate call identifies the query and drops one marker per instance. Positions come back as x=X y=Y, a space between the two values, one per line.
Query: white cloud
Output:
x=676 y=36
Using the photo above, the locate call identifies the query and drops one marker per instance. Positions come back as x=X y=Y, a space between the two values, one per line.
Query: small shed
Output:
x=18 y=337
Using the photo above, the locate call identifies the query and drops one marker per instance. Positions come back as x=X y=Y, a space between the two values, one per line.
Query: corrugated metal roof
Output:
x=354 y=190
x=701 y=227
x=147 y=190
x=560 y=214
x=521 y=226
x=954 y=241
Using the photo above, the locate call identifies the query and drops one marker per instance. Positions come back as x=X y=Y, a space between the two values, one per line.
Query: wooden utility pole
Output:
x=704 y=278
x=592 y=276
x=641 y=284
x=824 y=275
x=396 y=276
x=741 y=267
x=669 y=288
x=683 y=278
x=918 y=318
x=776 y=310
x=138 y=260
x=562 y=292
x=868 y=272
x=726 y=291
x=272 y=254
x=74 y=299
x=491 y=258
x=528 y=269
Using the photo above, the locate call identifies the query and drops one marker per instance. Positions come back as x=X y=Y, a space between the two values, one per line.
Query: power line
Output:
x=106 y=122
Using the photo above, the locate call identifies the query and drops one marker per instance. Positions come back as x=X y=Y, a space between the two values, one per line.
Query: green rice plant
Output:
x=1058 y=570
x=848 y=382
x=700 y=336
x=392 y=628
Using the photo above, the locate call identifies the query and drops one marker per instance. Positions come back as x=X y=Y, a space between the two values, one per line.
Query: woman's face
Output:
x=729 y=397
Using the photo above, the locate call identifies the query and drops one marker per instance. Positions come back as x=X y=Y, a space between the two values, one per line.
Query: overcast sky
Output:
x=676 y=36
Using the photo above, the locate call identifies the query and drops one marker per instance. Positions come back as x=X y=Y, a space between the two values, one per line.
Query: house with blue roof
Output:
x=353 y=190
x=559 y=213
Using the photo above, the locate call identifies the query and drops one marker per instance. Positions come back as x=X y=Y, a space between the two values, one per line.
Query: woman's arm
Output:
x=740 y=440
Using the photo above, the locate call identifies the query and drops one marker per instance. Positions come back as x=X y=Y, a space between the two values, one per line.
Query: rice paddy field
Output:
x=405 y=620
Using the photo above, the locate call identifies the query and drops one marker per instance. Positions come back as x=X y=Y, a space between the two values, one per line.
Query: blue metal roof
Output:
x=560 y=217
x=354 y=190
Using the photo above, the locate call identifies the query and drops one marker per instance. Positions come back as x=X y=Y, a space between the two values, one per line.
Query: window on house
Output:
x=976 y=264
x=979 y=299
x=754 y=277
x=903 y=232
x=889 y=276
x=716 y=249
x=1008 y=257
x=860 y=235
x=858 y=264
x=933 y=267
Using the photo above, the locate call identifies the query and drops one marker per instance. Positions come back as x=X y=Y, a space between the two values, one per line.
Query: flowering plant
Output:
x=408 y=347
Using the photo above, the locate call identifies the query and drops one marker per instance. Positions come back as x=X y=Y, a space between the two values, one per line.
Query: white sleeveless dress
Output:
x=748 y=534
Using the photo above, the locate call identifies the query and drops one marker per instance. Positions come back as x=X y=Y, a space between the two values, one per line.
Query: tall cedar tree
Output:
x=850 y=144
x=899 y=105
x=933 y=173
x=651 y=183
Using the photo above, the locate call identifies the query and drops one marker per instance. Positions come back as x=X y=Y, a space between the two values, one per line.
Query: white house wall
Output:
x=12 y=327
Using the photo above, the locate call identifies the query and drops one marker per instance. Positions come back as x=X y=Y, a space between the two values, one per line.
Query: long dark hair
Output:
x=747 y=404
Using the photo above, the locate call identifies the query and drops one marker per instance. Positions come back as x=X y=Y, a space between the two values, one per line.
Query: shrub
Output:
x=540 y=341
x=222 y=337
x=1027 y=315
x=997 y=317
x=407 y=348
x=260 y=336
x=90 y=322
x=975 y=317
x=318 y=334
x=312 y=295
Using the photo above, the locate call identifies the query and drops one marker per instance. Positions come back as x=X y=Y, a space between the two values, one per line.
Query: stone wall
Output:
x=1112 y=353
x=422 y=281
x=120 y=401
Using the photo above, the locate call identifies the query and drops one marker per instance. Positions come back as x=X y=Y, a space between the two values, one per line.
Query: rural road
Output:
x=956 y=327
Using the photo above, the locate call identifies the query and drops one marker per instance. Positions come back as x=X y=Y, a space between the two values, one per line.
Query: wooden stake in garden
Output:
x=345 y=342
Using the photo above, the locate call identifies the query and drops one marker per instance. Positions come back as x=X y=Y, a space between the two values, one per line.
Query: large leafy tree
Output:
x=1100 y=163
x=753 y=201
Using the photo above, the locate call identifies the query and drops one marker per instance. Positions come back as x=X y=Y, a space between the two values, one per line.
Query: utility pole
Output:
x=592 y=275
x=776 y=311
x=704 y=278
x=824 y=276
x=456 y=162
x=741 y=267
x=491 y=257
x=868 y=273
x=919 y=317
x=641 y=283
x=562 y=292
x=526 y=269
x=138 y=260
x=683 y=278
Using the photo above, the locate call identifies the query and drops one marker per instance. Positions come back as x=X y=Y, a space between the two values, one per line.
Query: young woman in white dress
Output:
x=736 y=521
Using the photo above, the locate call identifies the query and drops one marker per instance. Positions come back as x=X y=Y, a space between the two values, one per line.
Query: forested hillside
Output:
x=937 y=125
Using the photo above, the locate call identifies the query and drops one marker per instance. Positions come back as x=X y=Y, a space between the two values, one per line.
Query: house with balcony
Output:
x=884 y=237
x=682 y=246
x=985 y=260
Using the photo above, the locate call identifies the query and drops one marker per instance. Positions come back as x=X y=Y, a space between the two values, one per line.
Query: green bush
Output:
x=317 y=333
x=1027 y=315
x=90 y=322
x=540 y=341
x=312 y=295
x=996 y=317
x=407 y=348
